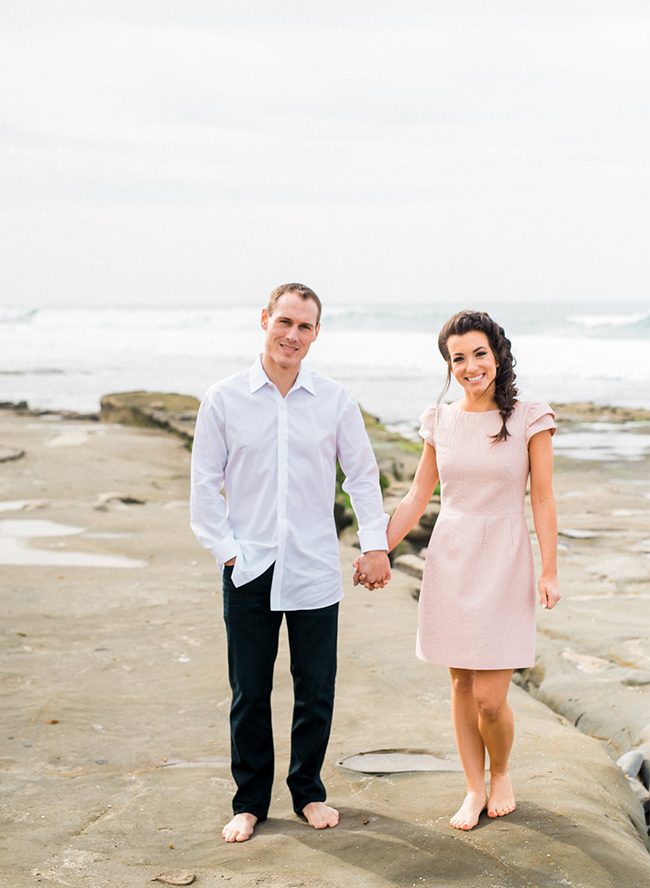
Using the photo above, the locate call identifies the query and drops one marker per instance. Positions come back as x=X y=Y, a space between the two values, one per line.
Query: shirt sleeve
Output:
x=428 y=420
x=208 y=509
x=539 y=418
x=359 y=466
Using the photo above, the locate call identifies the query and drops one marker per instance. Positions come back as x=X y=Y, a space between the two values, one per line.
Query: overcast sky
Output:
x=171 y=152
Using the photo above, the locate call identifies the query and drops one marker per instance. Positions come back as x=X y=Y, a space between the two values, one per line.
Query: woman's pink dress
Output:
x=478 y=600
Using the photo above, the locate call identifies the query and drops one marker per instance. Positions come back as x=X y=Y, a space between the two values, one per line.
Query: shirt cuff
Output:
x=372 y=539
x=226 y=549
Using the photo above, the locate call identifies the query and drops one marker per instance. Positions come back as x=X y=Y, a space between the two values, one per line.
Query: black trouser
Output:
x=253 y=631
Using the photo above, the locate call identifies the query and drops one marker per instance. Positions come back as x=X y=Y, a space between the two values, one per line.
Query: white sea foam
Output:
x=613 y=320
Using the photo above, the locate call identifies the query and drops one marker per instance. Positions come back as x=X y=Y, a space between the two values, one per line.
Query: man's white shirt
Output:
x=276 y=459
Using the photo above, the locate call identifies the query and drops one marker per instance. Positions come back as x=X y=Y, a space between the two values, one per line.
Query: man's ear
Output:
x=264 y=321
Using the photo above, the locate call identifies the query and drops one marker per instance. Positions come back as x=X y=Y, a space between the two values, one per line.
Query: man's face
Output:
x=290 y=330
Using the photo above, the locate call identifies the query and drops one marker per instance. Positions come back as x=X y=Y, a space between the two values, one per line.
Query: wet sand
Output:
x=114 y=699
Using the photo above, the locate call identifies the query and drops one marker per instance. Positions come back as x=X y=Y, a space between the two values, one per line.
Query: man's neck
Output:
x=283 y=379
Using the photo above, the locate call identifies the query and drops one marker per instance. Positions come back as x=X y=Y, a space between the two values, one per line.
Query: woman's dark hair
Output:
x=505 y=390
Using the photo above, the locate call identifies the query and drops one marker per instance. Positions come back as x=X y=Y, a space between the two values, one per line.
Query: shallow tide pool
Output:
x=16 y=549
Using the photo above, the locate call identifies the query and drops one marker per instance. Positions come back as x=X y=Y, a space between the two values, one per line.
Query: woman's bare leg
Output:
x=465 y=715
x=496 y=725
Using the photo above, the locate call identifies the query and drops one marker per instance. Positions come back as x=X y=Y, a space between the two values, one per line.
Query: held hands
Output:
x=549 y=592
x=372 y=570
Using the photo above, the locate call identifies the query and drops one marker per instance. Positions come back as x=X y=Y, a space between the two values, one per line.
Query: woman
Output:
x=477 y=603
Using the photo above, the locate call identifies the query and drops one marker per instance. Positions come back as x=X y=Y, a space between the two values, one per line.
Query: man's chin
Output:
x=288 y=361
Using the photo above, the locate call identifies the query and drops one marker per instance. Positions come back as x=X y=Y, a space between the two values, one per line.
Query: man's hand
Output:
x=230 y=562
x=372 y=569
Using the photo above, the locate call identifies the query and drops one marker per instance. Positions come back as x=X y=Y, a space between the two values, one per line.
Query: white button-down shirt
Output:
x=276 y=458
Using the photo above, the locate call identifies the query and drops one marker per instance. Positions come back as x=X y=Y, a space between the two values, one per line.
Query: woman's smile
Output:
x=473 y=365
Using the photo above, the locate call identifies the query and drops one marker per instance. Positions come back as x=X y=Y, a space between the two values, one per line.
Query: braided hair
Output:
x=505 y=390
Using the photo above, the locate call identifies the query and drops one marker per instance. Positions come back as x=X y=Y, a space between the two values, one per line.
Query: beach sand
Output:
x=114 y=696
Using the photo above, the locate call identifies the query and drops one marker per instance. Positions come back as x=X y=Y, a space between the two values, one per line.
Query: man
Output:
x=271 y=437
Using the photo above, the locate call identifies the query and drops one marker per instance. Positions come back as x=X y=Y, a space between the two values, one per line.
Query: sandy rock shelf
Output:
x=114 y=700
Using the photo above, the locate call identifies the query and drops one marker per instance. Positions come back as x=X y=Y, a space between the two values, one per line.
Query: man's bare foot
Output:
x=240 y=828
x=502 y=797
x=469 y=812
x=320 y=816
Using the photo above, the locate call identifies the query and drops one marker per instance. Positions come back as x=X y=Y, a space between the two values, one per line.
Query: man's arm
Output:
x=359 y=466
x=208 y=510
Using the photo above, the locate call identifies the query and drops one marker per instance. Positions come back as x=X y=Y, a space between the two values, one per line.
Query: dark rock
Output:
x=410 y=564
x=12 y=405
x=104 y=500
x=343 y=517
x=640 y=793
x=8 y=454
x=636 y=678
x=644 y=773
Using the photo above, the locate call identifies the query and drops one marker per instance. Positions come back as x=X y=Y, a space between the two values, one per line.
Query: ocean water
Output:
x=386 y=354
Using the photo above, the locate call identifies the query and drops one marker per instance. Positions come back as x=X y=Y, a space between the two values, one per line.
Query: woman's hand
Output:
x=549 y=592
x=360 y=578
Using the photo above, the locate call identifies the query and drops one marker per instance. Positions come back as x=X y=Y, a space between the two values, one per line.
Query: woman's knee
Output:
x=491 y=701
x=462 y=681
x=491 y=694
x=491 y=708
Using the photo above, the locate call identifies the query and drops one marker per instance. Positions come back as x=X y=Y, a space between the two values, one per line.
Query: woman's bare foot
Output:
x=240 y=828
x=469 y=812
x=502 y=797
x=320 y=816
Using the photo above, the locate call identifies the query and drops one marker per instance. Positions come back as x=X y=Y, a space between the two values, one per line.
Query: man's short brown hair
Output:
x=301 y=290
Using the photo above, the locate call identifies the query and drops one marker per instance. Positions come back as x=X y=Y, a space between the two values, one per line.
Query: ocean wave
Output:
x=234 y=317
x=594 y=321
x=44 y=371
x=17 y=315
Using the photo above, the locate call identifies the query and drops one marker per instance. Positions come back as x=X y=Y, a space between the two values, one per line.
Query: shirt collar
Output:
x=257 y=377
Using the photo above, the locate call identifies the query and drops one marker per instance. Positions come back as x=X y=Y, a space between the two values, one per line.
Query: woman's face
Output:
x=472 y=362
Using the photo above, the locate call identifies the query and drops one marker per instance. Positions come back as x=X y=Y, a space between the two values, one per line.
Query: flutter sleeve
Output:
x=429 y=420
x=539 y=418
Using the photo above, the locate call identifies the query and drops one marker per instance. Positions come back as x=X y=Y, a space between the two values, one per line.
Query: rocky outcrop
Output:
x=170 y=412
x=586 y=411
x=397 y=457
